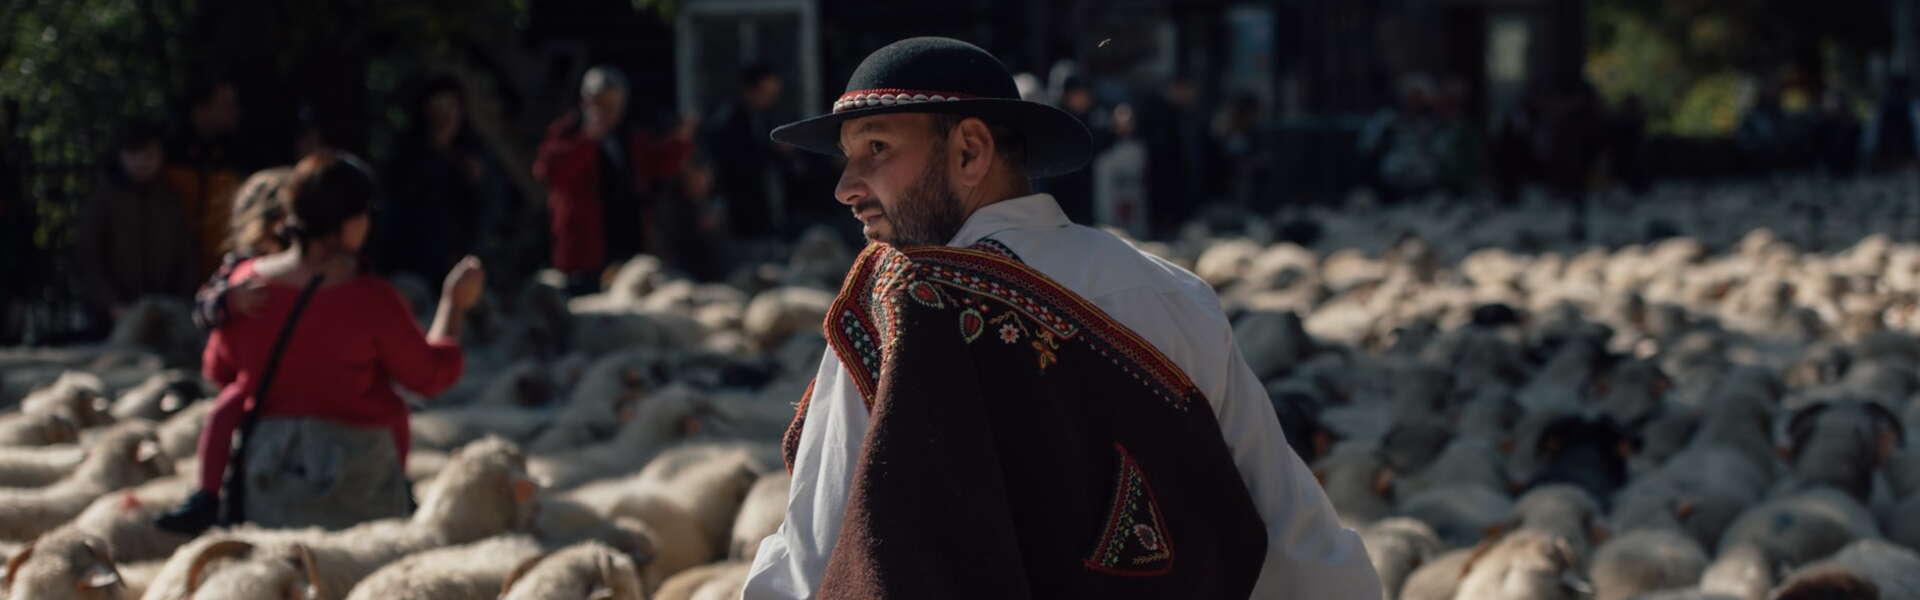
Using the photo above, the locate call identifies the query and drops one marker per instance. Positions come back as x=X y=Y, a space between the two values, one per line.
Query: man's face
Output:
x=606 y=107
x=896 y=180
x=765 y=93
x=142 y=163
x=219 y=114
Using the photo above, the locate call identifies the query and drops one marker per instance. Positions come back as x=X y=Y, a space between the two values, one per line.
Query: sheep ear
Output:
x=14 y=563
x=689 y=425
x=99 y=576
x=518 y=572
x=171 y=402
x=524 y=489
x=1599 y=532
x=221 y=549
x=1683 y=508
x=1572 y=581
x=1320 y=474
x=1383 y=481
x=1800 y=426
x=146 y=451
x=1322 y=442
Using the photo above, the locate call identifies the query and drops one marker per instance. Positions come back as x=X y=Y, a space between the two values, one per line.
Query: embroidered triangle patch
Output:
x=1134 y=541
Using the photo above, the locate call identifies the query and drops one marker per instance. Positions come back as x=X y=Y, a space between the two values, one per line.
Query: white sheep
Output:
x=484 y=492
x=1459 y=514
x=659 y=420
x=1894 y=570
x=125 y=457
x=67 y=565
x=476 y=570
x=34 y=466
x=718 y=581
x=77 y=395
x=37 y=429
x=159 y=397
x=589 y=570
x=123 y=520
x=605 y=397
x=760 y=514
x=1802 y=527
x=1396 y=546
x=1525 y=565
x=1439 y=578
x=1645 y=561
x=776 y=314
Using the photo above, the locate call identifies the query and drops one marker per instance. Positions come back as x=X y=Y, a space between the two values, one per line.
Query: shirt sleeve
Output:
x=428 y=367
x=1309 y=553
x=792 y=561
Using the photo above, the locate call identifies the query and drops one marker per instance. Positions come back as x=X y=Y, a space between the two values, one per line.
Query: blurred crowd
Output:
x=707 y=193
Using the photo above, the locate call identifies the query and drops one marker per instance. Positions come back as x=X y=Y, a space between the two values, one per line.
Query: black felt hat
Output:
x=947 y=76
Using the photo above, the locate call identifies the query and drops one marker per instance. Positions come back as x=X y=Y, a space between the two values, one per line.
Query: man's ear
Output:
x=973 y=151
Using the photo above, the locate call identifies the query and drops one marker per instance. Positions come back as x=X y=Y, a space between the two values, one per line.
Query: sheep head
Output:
x=126 y=456
x=483 y=491
x=1841 y=443
x=67 y=566
x=295 y=576
x=1590 y=453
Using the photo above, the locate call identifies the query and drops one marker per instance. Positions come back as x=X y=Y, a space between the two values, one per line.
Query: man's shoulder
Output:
x=1096 y=263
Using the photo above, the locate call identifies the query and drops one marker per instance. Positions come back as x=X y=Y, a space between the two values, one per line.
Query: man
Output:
x=201 y=170
x=737 y=138
x=596 y=174
x=132 y=240
x=1016 y=406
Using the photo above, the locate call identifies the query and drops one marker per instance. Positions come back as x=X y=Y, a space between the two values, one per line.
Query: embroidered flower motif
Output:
x=1149 y=538
x=925 y=294
x=972 y=325
x=1009 y=334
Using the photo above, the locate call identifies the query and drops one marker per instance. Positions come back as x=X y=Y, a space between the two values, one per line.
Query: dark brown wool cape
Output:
x=1023 y=444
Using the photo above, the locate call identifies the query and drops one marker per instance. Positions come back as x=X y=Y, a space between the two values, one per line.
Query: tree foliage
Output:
x=1698 y=63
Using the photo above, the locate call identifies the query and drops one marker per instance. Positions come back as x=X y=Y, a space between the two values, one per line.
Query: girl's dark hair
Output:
x=325 y=190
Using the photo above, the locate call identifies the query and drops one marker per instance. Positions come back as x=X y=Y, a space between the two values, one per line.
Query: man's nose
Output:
x=852 y=189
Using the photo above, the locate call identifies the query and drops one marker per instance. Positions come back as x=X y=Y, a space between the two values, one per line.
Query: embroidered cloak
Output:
x=1023 y=444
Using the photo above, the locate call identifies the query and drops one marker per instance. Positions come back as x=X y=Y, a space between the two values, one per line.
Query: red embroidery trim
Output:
x=1158 y=524
x=859 y=323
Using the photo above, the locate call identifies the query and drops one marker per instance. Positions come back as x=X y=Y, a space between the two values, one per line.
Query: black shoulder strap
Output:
x=236 y=489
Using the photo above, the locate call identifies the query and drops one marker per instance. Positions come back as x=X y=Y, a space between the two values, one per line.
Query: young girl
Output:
x=355 y=340
x=257 y=216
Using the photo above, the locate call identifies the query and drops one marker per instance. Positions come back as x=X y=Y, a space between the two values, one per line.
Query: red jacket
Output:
x=569 y=164
x=354 y=342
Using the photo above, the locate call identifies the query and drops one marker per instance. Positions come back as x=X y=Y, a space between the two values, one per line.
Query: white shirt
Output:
x=1309 y=555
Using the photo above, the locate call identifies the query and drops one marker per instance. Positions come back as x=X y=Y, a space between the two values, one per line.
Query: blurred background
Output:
x=1257 y=106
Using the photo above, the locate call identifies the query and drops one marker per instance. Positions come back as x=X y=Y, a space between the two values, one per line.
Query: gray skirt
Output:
x=307 y=472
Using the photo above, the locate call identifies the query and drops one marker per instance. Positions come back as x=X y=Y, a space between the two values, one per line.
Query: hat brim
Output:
x=1057 y=143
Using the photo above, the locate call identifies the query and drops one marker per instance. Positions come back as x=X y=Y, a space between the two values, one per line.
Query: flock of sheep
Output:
x=1710 y=401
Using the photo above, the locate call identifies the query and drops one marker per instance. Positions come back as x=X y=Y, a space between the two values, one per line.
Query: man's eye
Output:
x=876 y=147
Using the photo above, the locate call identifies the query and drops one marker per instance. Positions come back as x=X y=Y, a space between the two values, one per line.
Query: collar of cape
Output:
x=992 y=294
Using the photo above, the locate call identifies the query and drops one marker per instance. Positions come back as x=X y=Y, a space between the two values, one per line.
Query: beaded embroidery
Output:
x=1134 y=541
x=987 y=289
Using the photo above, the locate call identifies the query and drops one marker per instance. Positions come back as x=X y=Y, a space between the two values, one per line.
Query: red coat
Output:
x=569 y=164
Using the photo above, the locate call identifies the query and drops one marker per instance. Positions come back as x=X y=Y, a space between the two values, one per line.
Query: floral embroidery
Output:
x=971 y=325
x=990 y=287
x=1134 y=541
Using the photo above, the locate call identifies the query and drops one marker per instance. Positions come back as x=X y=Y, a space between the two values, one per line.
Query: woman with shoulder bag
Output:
x=307 y=376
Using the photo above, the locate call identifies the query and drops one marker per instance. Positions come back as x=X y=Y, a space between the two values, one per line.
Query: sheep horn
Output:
x=14 y=563
x=220 y=549
x=1800 y=426
x=518 y=572
x=316 y=587
x=102 y=574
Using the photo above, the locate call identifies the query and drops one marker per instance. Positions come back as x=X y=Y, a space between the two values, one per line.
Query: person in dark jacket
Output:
x=133 y=240
x=744 y=158
x=438 y=176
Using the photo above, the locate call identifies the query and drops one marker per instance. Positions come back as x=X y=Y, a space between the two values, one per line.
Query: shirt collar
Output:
x=1025 y=212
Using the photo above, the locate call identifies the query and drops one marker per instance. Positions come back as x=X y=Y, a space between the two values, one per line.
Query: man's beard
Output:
x=929 y=214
